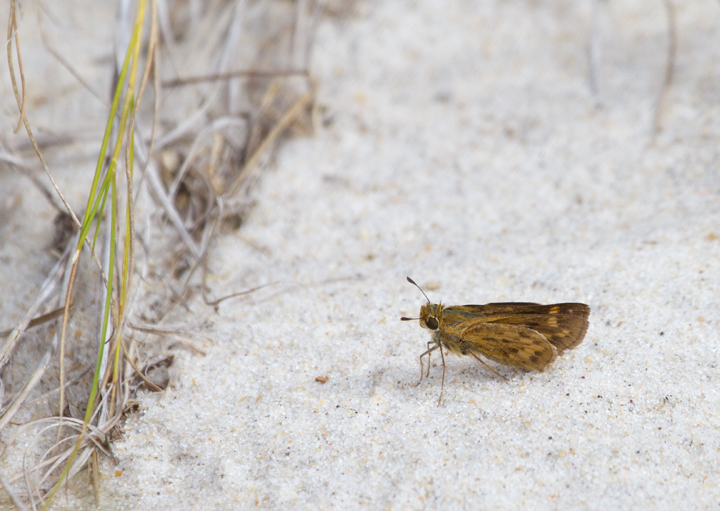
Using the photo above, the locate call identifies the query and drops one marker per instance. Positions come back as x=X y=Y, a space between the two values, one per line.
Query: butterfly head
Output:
x=430 y=313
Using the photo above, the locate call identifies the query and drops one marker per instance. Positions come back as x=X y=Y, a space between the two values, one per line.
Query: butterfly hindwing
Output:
x=509 y=344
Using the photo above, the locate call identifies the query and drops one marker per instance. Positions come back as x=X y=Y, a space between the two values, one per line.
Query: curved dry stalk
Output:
x=177 y=333
x=218 y=301
x=12 y=31
x=54 y=422
x=96 y=438
x=50 y=283
x=152 y=386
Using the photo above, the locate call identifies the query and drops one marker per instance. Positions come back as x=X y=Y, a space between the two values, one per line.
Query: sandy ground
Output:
x=464 y=146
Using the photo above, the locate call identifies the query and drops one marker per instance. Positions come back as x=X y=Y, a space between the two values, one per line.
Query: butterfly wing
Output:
x=563 y=324
x=514 y=345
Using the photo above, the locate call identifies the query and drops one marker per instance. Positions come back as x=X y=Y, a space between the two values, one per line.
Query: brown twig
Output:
x=38 y=321
x=242 y=73
x=12 y=33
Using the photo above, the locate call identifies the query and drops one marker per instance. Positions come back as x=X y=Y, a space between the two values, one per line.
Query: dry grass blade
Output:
x=12 y=33
x=249 y=73
x=44 y=318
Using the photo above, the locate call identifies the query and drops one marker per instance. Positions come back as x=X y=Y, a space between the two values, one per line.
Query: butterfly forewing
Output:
x=563 y=324
x=493 y=309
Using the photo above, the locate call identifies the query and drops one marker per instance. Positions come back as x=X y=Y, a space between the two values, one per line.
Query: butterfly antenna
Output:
x=415 y=284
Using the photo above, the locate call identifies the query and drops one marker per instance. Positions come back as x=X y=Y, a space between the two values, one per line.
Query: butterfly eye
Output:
x=432 y=323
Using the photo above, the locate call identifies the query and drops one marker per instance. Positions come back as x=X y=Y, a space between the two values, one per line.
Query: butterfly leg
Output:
x=429 y=350
x=483 y=363
x=442 y=385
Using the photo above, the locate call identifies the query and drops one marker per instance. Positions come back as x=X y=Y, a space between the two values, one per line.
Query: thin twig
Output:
x=153 y=386
x=67 y=65
x=245 y=73
x=37 y=321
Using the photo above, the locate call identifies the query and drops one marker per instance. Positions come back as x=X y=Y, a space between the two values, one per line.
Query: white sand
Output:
x=465 y=148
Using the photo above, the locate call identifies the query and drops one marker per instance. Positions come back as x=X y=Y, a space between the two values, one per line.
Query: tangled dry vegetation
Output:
x=204 y=90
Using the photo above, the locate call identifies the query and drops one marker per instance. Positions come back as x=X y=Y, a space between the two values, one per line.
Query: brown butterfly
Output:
x=520 y=334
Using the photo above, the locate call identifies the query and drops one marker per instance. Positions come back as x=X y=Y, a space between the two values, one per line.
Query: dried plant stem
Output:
x=12 y=32
x=63 y=330
x=241 y=73
x=68 y=66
